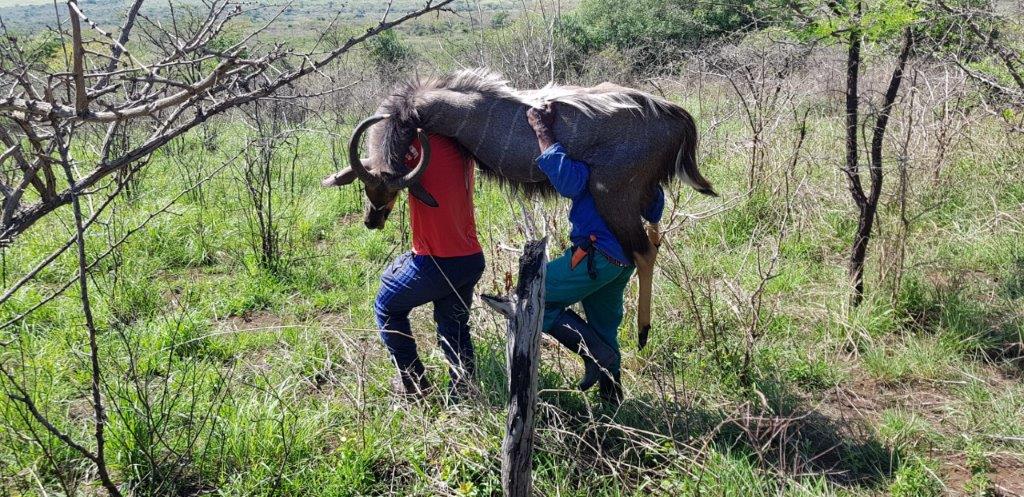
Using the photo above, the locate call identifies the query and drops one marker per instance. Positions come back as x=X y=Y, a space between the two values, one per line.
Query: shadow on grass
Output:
x=778 y=434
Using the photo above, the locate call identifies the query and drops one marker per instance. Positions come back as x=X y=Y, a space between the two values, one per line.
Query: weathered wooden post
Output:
x=525 y=313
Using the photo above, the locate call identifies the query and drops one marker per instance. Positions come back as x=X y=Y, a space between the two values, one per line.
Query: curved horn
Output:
x=414 y=175
x=353 y=149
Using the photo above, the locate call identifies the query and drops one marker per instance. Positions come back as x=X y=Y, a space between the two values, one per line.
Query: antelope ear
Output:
x=340 y=178
x=417 y=190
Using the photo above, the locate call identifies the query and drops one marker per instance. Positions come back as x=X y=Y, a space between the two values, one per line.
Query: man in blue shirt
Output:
x=593 y=272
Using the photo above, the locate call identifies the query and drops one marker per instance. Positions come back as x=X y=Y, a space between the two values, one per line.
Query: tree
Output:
x=189 y=75
x=854 y=23
x=989 y=47
x=867 y=204
x=389 y=54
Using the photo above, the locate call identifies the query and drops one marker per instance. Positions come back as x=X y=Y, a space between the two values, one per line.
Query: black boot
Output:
x=599 y=359
x=610 y=389
x=463 y=385
x=412 y=382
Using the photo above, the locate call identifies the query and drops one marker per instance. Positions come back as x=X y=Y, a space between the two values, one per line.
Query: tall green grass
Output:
x=221 y=376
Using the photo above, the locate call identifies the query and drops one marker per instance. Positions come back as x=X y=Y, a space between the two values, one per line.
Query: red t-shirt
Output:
x=448 y=230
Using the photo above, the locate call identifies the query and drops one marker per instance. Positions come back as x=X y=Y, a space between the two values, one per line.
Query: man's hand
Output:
x=542 y=117
x=542 y=120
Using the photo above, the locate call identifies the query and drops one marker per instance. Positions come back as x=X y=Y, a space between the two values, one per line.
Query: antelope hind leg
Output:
x=645 y=273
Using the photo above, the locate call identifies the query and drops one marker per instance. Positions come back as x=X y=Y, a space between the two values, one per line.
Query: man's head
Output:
x=381 y=187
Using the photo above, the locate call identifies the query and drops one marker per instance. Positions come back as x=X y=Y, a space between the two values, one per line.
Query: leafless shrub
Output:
x=172 y=416
x=760 y=70
x=983 y=30
x=929 y=126
x=527 y=52
x=267 y=170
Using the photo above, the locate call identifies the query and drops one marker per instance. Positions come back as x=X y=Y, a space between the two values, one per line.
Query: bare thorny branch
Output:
x=187 y=81
x=1012 y=60
x=97 y=456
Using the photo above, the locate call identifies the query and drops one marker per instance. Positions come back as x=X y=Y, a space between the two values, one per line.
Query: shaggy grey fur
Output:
x=631 y=140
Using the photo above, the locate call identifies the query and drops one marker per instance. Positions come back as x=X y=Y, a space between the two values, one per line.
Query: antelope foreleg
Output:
x=645 y=273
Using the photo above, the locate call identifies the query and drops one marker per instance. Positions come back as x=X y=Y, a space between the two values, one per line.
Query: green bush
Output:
x=648 y=27
x=387 y=50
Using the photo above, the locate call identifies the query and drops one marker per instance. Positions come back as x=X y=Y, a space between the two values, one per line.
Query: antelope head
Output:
x=380 y=186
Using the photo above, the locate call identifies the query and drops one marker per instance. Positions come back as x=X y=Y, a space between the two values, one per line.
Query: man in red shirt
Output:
x=442 y=268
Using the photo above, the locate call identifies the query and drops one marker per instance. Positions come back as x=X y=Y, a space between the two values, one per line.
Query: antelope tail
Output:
x=686 y=160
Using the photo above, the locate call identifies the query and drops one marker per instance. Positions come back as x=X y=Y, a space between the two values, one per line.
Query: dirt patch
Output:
x=1005 y=477
x=866 y=400
x=256 y=360
x=861 y=399
x=252 y=321
x=81 y=409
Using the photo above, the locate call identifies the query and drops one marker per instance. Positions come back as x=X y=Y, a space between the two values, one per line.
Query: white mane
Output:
x=608 y=100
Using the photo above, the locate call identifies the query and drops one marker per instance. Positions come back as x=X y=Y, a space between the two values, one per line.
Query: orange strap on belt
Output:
x=577 y=257
x=581 y=253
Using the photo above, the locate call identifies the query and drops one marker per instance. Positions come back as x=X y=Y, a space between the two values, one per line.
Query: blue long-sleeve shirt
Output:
x=569 y=178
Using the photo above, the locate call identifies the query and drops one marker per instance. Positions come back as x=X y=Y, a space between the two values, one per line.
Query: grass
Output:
x=224 y=376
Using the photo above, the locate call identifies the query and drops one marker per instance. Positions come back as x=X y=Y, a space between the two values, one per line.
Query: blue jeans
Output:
x=413 y=280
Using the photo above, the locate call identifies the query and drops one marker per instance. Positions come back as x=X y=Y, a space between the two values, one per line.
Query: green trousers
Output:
x=602 y=298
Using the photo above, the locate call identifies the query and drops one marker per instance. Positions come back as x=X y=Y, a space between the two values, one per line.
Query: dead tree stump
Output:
x=525 y=313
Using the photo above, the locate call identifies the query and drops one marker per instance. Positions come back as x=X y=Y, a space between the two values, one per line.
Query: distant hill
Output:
x=16 y=3
x=28 y=16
